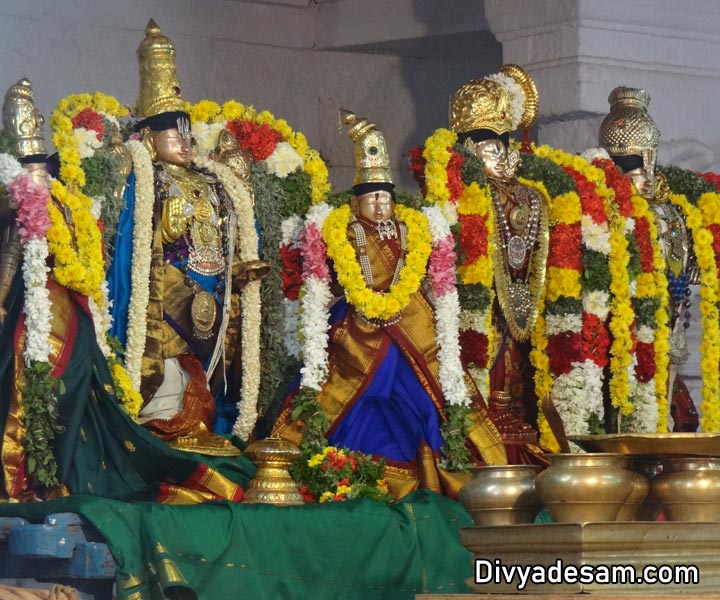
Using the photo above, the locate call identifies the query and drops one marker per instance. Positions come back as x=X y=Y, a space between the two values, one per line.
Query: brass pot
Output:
x=501 y=495
x=648 y=467
x=272 y=483
x=588 y=487
x=689 y=489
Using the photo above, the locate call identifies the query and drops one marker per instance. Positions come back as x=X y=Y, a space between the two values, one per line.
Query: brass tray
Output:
x=691 y=444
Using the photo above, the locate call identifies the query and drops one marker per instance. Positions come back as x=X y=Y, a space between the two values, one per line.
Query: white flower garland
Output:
x=314 y=315
x=242 y=200
x=37 y=306
x=283 y=161
x=447 y=323
x=577 y=395
x=10 y=168
x=141 y=260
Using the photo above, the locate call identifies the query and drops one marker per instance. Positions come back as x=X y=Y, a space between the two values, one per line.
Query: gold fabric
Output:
x=355 y=351
x=12 y=443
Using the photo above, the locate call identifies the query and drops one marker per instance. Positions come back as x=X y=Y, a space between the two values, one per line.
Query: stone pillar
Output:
x=579 y=50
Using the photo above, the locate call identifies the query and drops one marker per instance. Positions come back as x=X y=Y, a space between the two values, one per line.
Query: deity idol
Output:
x=483 y=113
x=193 y=324
x=630 y=136
x=63 y=429
x=383 y=393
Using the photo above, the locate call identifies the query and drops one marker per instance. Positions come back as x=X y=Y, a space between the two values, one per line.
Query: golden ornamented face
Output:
x=374 y=206
x=171 y=147
x=494 y=156
x=644 y=182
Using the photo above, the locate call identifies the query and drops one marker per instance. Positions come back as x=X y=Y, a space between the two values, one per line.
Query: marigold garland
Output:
x=63 y=139
x=371 y=304
x=207 y=111
x=697 y=220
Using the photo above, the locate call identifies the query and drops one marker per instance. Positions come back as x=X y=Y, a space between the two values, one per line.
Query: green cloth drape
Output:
x=357 y=550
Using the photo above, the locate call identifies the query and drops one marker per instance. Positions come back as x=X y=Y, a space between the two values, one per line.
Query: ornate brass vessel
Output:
x=689 y=489
x=501 y=495
x=589 y=487
x=272 y=483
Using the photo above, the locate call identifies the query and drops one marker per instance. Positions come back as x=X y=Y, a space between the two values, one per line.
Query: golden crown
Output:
x=160 y=89
x=502 y=102
x=628 y=128
x=22 y=121
x=372 y=163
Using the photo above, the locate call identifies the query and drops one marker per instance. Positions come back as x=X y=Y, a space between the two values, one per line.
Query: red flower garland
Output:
x=259 y=140
x=454 y=172
x=563 y=350
x=473 y=238
x=473 y=348
x=595 y=340
x=562 y=253
x=417 y=166
x=89 y=119
x=291 y=273
x=645 y=369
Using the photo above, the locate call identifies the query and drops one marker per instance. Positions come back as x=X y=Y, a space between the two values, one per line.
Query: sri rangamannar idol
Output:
x=631 y=137
x=183 y=331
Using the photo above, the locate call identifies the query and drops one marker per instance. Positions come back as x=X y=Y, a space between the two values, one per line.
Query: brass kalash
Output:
x=603 y=500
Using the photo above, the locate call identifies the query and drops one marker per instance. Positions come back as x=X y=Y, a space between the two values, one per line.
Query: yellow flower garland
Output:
x=63 y=139
x=659 y=289
x=207 y=111
x=371 y=304
x=437 y=156
x=710 y=346
x=81 y=270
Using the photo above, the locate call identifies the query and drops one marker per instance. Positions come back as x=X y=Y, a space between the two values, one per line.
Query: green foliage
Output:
x=272 y=204
x=7 y=144
x=682 y=181
x=564 y=305
x=596 y=273
x=552 y=175
x=39 y=406
x=635 y=263
x=314 y=423
x=455 y=454
x=473 y=297
x=645 y=309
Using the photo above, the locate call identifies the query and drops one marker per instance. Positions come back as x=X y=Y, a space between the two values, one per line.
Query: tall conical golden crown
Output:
x=160 y=89
x=22 y=121
x=628 y=128
x=372 y=163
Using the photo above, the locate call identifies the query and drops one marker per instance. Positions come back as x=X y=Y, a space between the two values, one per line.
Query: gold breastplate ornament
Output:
x=520 y=254
x=192 y=209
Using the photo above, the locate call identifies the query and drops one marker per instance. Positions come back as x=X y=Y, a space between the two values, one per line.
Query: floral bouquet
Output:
x=337 y=474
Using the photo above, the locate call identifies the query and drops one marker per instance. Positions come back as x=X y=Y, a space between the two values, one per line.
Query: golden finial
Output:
x=372 y=163
x=160 y=89
x=22 y=121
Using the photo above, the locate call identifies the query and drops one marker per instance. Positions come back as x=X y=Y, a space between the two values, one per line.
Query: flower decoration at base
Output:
x=337 y=474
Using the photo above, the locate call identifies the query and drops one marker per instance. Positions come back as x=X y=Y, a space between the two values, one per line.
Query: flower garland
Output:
x=578 y=269
x=64 y=137
x=142 y=260
x=39 y=403
x=648 y=286
x=370 y=304
x=292 y=280
x=698 y=219
x=248 y=243
x=207 y=111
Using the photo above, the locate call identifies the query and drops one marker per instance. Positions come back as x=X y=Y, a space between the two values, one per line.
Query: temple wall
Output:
x=301 y=60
